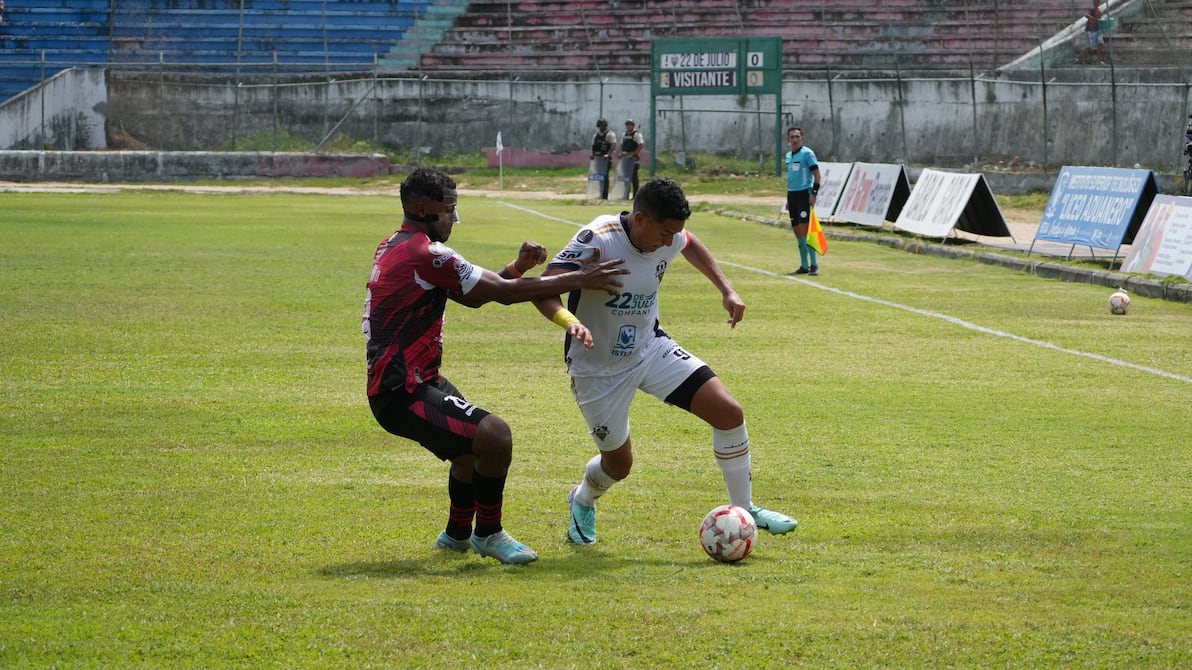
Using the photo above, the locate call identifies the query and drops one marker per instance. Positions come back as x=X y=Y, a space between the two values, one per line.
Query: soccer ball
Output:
x=1119 y=303
x=728 y=533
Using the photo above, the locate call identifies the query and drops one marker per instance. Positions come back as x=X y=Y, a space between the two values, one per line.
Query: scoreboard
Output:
x=717 y=66
x=726 y=66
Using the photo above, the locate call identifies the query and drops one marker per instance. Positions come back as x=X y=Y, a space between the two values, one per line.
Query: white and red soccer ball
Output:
x=1119 y=303
x=728 y=533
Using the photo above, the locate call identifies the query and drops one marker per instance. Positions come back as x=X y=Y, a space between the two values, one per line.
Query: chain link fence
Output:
x=1020 y=120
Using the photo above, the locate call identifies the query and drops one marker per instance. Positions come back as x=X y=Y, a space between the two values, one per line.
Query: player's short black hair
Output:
x=425 y=183
x=662 y=199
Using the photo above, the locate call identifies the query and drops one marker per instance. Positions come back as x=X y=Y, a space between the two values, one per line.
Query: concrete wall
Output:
x=67 y=112
x=161 y=166
x=936 y=122
x=131 y=166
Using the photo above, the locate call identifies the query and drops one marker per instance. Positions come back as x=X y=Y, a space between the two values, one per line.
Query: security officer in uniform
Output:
x=631 y=147
x=602 y=147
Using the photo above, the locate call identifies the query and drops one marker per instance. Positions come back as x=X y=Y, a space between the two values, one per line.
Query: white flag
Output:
x=499 y=145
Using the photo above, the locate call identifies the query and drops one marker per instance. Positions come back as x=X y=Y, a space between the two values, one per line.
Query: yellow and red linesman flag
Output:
x=815 y=235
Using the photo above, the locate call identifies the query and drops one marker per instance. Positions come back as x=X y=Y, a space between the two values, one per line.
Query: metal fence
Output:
x=1040 y=119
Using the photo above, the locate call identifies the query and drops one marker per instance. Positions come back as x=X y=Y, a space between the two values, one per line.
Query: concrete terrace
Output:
x=41 y=37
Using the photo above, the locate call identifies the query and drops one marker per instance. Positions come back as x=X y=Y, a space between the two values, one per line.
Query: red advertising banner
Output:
x=1163 y=245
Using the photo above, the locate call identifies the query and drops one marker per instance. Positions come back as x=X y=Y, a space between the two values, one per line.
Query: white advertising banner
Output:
x=942 y=201
x=873 y=194
x=833 y=177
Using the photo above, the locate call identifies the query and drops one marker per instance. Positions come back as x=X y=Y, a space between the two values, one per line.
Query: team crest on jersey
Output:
x=441 y=252
x=660 y=270
x=600 y=432
x=585 y=236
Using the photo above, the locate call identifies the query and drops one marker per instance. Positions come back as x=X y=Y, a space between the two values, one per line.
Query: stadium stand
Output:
x=1153 y=33
x=590 y=35
x=295 y=32
x=68 y=34
x=428 y=29
x=41 y=37
x=593 y=36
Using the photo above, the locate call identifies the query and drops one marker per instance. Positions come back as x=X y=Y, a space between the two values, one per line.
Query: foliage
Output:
x=285 y=141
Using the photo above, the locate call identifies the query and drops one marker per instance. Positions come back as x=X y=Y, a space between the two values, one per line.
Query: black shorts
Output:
x=798 y=205
x=435 y=415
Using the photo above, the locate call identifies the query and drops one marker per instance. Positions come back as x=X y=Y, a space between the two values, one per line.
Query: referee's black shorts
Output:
x=798 y=205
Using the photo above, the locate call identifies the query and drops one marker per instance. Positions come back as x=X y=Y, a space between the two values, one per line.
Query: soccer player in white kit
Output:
x=630 y=351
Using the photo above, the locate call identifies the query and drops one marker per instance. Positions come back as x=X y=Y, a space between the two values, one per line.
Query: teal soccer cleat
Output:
x=501 y=546
x=582 y=528
x=773 y=522
x=448 y=543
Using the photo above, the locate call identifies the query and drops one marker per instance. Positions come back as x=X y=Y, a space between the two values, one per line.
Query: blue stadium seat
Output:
x=41 y=37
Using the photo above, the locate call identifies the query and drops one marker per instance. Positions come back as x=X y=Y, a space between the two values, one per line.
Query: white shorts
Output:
x=604 y=401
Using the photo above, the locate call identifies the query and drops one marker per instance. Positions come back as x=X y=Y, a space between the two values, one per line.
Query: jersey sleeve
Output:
x=581 y=247
x=441 y=266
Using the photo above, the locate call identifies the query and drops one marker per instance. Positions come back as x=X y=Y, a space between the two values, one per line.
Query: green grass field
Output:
x=989 y=470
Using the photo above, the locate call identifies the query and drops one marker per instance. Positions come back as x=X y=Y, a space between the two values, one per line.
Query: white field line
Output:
x=922 y=312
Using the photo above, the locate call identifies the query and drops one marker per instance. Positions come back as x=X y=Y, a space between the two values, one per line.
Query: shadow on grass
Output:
x=575 y=562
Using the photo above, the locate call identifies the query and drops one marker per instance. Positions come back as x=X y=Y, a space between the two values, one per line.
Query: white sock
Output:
x=732 y=455
x=596 y=483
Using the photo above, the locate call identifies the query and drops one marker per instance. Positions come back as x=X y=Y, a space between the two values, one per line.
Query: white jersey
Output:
x=622 y=325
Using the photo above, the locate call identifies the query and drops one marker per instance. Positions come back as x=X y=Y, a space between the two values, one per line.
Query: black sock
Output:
x=463 y=508
x=490 y=492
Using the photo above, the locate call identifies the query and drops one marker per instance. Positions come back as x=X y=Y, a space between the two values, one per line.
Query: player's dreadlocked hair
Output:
x=661 y=199
x=425 y=183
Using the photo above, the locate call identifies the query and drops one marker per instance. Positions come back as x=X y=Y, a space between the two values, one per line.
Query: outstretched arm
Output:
x=698 y=255
x=509 y=286
x=552 y=308
x=530 y=256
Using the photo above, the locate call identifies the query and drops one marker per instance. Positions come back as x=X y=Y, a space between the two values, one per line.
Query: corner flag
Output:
x=815 y=235
x=499 y=145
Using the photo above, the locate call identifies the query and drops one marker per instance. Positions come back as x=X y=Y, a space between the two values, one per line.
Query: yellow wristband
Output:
x=512 y=270
x=564 y=318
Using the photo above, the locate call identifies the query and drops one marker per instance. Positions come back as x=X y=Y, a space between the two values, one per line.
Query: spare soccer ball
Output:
x=728 y=533
x=1119 y=303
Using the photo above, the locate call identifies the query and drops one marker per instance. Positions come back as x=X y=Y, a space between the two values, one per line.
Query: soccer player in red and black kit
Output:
x=413 y=275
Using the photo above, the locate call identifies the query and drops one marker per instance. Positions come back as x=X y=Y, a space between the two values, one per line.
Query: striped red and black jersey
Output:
x=403 y=308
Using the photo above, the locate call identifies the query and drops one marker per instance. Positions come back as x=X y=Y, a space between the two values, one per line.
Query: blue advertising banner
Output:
x=1097 y=207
